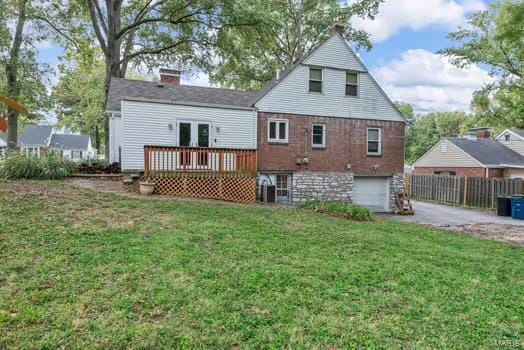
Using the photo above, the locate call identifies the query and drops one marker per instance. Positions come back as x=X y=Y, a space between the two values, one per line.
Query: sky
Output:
x=406 y=36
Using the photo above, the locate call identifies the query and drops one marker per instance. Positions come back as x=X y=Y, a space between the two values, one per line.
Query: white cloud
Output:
x=430 y=82
x=395 y=15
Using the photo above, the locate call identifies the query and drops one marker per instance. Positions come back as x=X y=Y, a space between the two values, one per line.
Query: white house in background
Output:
x=34 y=139
x=74 y=147
x=3 y=145
x=512 y=138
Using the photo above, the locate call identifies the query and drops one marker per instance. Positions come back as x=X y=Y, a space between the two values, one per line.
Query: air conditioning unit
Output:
x=302 y=160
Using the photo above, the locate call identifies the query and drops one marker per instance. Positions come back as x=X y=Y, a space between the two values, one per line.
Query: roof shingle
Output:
x=35 y=135
x=489 y=152
x=121 y=88
x=65 y=141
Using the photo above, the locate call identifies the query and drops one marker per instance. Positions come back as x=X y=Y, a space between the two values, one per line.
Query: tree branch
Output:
x=100 y=16
x=60 y=31
x=157 y=50
x=96 y=26
x=511 y=67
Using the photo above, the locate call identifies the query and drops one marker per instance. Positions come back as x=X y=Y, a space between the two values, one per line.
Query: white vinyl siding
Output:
x=115 y=138
x=334 y=53
x=145 y=123
x=452 y=157
x=292 y=96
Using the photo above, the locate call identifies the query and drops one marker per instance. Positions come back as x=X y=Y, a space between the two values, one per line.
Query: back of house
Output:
x=323 y=128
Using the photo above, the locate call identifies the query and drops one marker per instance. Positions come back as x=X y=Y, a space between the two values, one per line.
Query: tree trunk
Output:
x=11 y=72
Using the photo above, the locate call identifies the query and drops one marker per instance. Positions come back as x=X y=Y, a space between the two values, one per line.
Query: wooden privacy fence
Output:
x=217 y=173
x=461 y=190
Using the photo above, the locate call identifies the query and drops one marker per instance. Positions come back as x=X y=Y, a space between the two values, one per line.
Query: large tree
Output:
x=153 y=32
x=495 y=38
x=22 y=78
x=427 y=130
x=248 y=57
x=79 y=96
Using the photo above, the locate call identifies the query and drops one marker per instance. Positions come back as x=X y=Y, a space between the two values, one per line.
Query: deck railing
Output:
x=167 y=161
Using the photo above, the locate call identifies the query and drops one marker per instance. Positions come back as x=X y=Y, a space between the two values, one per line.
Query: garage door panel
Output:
x=372 y=192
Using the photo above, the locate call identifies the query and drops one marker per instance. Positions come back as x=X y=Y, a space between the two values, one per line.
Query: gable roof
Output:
x=274 y=82
x=519 y=132
x=35 y=135
x=120 y=89
x=66 y=141
x=489 y=152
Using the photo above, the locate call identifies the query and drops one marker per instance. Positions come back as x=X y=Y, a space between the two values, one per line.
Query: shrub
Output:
x=50 y=167
x=349 y=211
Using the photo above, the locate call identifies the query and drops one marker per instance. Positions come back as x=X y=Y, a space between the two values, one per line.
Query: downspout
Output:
x=487 y=172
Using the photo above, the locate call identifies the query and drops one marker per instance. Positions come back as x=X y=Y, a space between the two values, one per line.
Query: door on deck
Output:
x=193 y=134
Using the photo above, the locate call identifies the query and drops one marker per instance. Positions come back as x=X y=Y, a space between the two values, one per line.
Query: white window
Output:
x=315 y=80
x=507 y=137
x=318 y=135
x=351 y=84
x=374 y=141
x=277 y=130
x=282 y=188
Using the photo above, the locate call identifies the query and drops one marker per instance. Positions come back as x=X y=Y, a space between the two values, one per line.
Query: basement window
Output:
x=315 y=80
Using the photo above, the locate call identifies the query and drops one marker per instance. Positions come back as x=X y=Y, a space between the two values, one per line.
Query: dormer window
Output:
x=507 y=137
x=351 y=84
x=315 y=80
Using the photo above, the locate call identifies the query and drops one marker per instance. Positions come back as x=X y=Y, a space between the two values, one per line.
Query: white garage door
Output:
x=372 y=192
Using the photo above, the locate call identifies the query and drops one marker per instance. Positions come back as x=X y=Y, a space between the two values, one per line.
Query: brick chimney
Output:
x=170 y=76
x=479 y=134
x=338 y=28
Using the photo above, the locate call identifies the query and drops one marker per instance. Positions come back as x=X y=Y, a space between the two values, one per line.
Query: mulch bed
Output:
x=97 y=168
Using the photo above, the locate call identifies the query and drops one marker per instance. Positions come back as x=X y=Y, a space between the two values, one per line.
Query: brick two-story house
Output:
x=322 y=129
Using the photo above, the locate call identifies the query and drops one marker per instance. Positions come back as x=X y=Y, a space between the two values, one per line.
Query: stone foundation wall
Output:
x=396 y=183
x=322 y=186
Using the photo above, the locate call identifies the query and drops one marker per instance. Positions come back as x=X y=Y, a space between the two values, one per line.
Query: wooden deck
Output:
x=216 y=173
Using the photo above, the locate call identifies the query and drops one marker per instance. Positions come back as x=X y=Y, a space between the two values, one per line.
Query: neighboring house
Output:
x=513 y=139
x=470 y=156
x=39 y=140
x=74 y=147
x=3 y=145
x=34 y=139
x=323 y=128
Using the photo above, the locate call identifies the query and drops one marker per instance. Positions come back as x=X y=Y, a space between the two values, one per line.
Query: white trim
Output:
x=509 y=131
x=318 y=145
x=277 y=129
x=379 y=152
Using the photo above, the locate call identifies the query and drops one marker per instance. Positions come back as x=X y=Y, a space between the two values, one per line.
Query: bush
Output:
x=50 y=167
x=349 y=211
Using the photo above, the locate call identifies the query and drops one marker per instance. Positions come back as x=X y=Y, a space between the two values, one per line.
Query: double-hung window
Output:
x=318 y=135
x=374 y=141
x=277 y=130
x=315 y=80
x=351 y=84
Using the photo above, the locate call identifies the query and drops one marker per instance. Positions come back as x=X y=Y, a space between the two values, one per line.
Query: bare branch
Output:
x=158 y=50
x=60 y=31
x=96 y=26
x=101 y=16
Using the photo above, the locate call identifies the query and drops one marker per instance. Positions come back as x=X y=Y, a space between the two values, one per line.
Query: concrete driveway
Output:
x=476 y=222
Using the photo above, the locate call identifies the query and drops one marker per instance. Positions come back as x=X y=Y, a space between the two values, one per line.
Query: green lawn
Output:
x=81 y=269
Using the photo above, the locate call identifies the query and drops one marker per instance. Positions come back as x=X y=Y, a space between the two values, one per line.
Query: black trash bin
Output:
x=504 y=206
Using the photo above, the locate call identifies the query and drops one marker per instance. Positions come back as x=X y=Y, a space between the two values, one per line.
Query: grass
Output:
x=81 y=269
